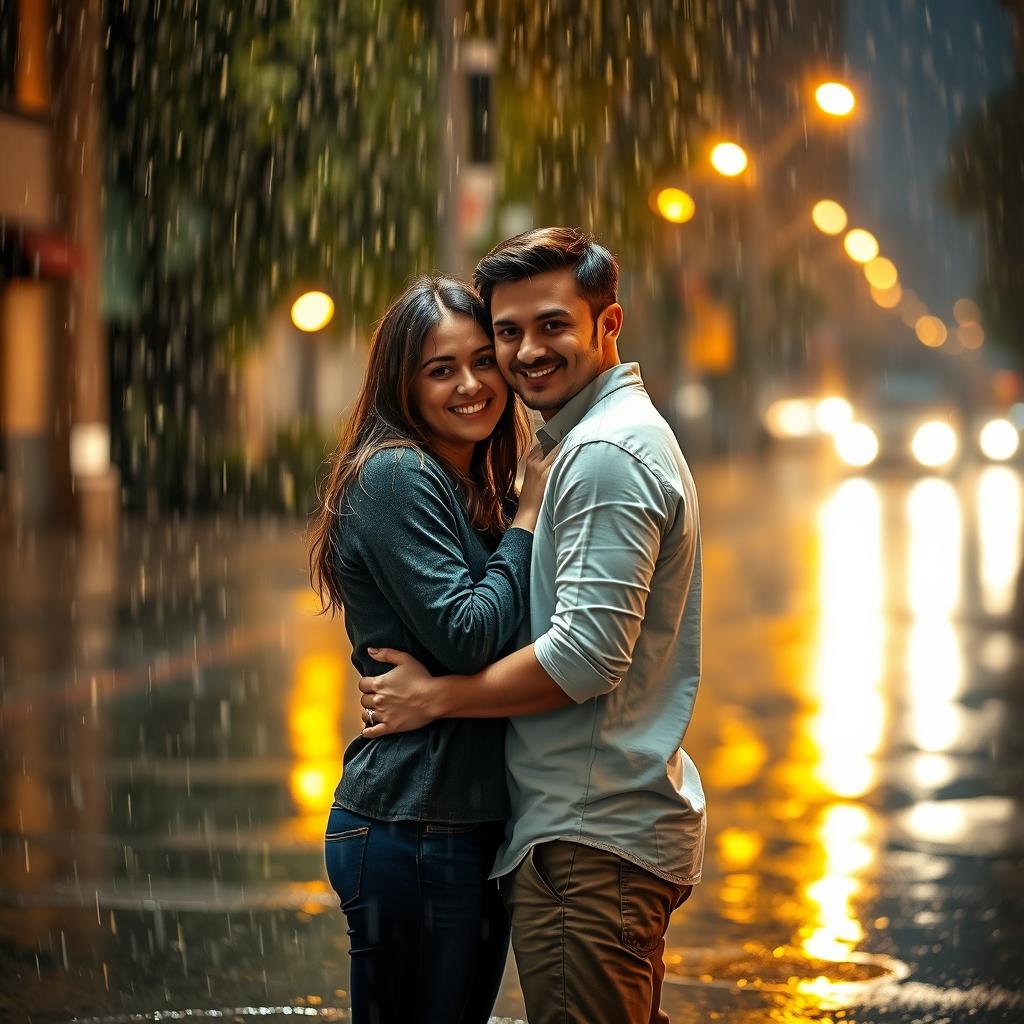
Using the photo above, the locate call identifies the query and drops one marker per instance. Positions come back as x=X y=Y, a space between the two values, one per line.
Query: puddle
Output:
x=980 y=827
x=784 y=969
x=236 y=1013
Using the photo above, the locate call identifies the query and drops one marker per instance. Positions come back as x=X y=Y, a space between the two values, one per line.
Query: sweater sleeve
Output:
x=405 y=528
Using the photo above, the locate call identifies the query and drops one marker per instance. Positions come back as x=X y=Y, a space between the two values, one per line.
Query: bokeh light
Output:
x=999 y=440
x=881 y=273
x=934 y=444
x=931 y=331
x=887 y=298
x=312 y=311
x=729 y=159
x=829 y=217
x=835 y=98
x=971 y=335
x=857 y=444
x=833 y=413
x=966 y=311
x=860 y=245
x=675 y=205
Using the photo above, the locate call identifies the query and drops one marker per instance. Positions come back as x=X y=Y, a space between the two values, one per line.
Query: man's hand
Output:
x=400 y=700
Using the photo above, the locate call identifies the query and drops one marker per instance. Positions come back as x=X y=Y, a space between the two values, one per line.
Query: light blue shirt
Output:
x=615 y=595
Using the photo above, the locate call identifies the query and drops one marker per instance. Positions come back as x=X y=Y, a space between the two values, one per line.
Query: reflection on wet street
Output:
x=174 y=714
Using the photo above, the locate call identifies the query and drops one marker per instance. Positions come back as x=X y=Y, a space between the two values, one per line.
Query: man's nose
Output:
x=531 y=349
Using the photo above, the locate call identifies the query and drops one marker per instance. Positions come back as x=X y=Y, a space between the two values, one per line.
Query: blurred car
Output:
x=905 y=418
x=910 y=419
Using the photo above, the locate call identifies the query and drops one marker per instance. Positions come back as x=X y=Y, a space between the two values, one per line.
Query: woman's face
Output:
x=458 y=389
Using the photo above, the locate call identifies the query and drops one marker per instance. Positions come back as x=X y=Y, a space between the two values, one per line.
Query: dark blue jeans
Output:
x=428 y=933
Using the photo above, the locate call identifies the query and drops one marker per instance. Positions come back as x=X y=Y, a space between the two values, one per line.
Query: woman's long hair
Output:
x=385 y=417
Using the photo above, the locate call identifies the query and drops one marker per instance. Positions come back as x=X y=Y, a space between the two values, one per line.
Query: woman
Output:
x=421 y=543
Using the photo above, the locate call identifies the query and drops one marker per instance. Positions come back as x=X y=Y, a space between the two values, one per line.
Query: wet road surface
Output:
x=173 y=714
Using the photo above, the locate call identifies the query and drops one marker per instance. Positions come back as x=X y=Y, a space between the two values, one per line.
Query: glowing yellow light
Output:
x=970 y=335
x=860 y=245
x=675 y=205
x=999 y=440
x=313 y=713
x=729 y=159
x=738 y=848
x=829 y=217
x=832 y=413
x=312 y=311
x=999 y=515
x=849 y=717
x=966 y=312
x=934 y=444
x=881 y=273
x=930 y=330
x=835 y=98
x=887 y=298
x=791 y=417
x=856 y=444
x=843 y=834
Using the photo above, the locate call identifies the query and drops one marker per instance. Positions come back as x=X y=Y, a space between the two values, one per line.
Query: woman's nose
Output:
x=469 y=385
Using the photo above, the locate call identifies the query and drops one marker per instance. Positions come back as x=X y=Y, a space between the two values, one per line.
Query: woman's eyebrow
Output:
x=451 y=359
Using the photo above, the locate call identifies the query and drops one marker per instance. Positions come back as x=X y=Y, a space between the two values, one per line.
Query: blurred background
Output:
x=818 y=208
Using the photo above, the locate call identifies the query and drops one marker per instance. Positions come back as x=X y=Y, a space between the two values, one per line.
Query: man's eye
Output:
x=507 y=333
x=555 y=325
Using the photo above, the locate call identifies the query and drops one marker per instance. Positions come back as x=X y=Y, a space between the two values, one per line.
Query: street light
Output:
x=881 y=273
x=835 y=99
x=930 y=331
x=887 y=298
x=860 y=245
x=829 y=217
x=729 y=159
x=675 y=205
x=312 y=311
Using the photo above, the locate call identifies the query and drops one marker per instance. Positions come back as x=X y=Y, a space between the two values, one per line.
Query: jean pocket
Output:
x=534 y=864
x=344 y=853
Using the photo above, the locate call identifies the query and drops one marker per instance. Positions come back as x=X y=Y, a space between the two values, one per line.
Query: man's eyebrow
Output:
x=543 y=315
x=555 y=311
x=451 y=359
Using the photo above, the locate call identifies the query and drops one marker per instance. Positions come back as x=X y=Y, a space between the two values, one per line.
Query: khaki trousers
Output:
x=588 y=930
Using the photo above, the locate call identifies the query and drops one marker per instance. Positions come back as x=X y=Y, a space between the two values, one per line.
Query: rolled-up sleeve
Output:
x=609 y=513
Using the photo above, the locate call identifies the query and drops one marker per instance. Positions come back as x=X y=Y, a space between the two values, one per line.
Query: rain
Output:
x=817 y=207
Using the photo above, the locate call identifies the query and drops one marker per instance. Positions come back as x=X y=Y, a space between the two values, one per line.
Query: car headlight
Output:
x=856 y=444
x=999 y=440
x=934 y=444
x=833 y=413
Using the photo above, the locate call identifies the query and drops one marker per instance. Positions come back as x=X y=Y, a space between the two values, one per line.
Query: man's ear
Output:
x=611 y=320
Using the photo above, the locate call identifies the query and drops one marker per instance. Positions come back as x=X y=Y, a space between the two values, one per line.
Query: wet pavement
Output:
x=172 y=718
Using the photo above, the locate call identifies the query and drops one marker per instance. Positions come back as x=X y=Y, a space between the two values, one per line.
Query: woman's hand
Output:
x=400 y=700
x=538 y=465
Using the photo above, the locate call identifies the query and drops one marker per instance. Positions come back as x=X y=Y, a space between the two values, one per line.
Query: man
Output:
x=606 y=833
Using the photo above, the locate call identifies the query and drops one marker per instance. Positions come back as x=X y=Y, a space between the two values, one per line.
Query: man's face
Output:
x=548 y=345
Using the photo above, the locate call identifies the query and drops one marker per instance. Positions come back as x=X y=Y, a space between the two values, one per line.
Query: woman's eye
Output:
x=485 y=361
x=440 y=371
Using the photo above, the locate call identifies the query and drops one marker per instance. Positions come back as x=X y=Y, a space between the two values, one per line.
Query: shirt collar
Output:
x=622 y=375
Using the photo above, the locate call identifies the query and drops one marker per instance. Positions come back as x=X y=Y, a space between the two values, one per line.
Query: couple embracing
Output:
x=529 y=663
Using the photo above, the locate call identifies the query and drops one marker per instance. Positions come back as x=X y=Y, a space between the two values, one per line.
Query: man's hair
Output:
x=542 y=250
